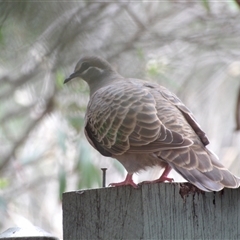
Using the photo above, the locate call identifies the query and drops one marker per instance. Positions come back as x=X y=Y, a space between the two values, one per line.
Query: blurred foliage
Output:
x=190 y=47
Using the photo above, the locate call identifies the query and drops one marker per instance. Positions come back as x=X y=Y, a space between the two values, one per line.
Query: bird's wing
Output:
x=186 y=113
x=196 y=163
x=123 y=117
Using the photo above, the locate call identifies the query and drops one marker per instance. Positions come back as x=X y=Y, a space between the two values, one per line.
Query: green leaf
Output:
x=140 y=53
x=62 y=136
x=4 y=183
x=206 y=5
x=62 y=181
x=1 y=36
x=76 y=122
x=59 y=79
x=89 y=174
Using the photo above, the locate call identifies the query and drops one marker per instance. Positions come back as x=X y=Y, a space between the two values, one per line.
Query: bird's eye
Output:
x=84 y=66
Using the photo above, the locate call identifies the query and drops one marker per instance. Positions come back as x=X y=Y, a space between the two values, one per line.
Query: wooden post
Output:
x=154 y=211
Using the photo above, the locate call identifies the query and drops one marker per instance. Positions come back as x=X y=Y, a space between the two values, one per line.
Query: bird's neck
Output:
x=103 y=81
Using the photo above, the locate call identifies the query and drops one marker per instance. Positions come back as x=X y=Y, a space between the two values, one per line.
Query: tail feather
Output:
x=228 y=180
x=202 y=168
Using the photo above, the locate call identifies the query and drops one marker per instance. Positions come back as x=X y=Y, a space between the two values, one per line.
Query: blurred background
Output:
x=190 y=47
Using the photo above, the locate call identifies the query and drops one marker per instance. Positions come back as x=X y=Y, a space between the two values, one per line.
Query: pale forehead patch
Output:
x=78 y=66
x=100 y=70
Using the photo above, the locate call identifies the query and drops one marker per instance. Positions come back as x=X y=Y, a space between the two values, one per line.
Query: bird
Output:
x=143 y=124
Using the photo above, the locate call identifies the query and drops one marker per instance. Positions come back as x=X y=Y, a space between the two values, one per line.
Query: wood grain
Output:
x=154 y=211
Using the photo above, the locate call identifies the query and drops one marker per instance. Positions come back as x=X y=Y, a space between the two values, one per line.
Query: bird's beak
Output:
x=73 y=75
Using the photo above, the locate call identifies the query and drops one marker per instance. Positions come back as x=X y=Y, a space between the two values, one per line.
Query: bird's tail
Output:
x=229 y=180
x=202 y=168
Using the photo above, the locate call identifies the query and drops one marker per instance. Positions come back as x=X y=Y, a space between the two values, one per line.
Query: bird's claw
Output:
x=123 y=184
x=127 y=181
x=161 y=179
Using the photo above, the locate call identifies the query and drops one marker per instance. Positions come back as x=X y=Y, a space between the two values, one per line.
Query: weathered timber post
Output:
x=154 y=211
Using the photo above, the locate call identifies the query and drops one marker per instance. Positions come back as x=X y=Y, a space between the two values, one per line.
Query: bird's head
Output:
x=91 y=69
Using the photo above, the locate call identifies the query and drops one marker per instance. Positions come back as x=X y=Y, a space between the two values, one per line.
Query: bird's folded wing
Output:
x=124 y=118
x=186 y=113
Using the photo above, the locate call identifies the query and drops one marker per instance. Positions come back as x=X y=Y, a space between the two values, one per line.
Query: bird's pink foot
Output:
x=127 y=181
x=163 y=177
x=159 y=180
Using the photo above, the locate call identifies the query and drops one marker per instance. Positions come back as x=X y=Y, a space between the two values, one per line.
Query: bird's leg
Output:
x=165 y=174
x=127 y=181
x=163 y=177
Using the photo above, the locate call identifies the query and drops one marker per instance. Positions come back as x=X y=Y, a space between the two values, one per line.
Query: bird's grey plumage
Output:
x=143 y=124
